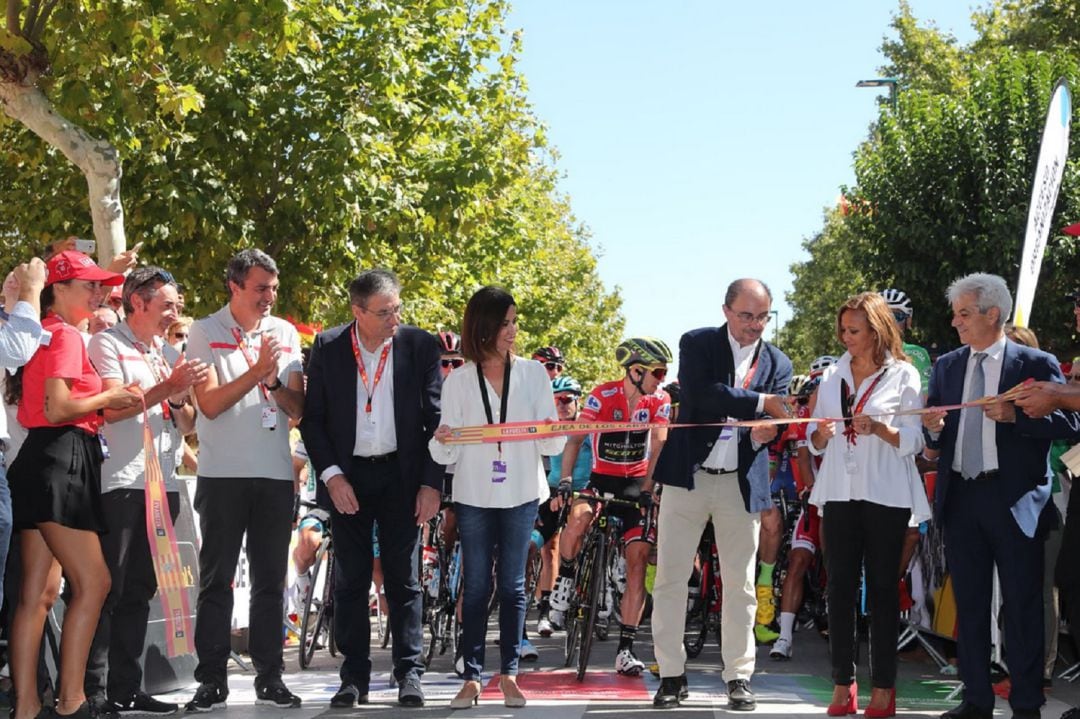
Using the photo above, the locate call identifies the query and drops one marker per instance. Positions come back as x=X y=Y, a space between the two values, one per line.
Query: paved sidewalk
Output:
x=798 y=688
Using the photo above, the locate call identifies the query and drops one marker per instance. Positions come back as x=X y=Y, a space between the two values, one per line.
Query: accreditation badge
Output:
x=498 y=471
x=269 y=418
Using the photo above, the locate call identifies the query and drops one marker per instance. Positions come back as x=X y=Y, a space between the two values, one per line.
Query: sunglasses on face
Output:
x=552 y=366
x=900 y=316
x=454 y=362
x=658 y=372
x=566 y=399
x=180 y=335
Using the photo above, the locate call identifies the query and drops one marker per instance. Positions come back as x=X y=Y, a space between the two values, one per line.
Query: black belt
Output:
x=980 y=477
x=710 y=470
x=377 y=458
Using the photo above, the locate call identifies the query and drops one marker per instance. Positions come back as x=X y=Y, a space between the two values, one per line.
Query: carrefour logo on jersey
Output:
x=592 y=403
x=641 y=415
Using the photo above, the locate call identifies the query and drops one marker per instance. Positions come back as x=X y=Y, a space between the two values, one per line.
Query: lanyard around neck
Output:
x=362 y=369
x=504 y=400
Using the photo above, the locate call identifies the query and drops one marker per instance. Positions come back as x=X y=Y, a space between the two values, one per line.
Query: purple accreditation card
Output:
x=498 y=471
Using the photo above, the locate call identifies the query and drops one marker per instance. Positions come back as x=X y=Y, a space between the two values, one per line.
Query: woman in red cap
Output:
x=56 y=486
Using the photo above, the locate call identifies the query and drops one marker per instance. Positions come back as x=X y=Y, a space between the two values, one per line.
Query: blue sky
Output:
x=701 y=140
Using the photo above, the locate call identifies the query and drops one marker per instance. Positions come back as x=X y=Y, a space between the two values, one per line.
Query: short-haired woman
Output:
x=496 y=486
x=868 y=489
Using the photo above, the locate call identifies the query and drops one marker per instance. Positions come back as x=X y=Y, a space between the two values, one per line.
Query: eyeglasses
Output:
x=552 y=366
x=387 y=313
x=566 y=399
x=658 y=372
x=746 y=317
x=900 y=316
x=454 y=362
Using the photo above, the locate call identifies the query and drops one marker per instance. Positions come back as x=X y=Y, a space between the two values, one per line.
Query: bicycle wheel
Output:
x=312 y=621
x=597 y=585
x=328 y=602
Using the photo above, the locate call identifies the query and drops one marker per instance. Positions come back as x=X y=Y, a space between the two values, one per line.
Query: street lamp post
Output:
x=890 y=82
x=775 y=319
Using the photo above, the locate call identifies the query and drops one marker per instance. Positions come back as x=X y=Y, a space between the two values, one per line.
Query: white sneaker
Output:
x=560 y=595
x=527 y=651
x=544 y=627
x=781 y=650
x=627 y=664
x=557 y=619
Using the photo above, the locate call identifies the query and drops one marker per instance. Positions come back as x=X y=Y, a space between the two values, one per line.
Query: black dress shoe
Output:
x=967 y=710
x=672 y=690
x=739 y=696
x=1027 y=714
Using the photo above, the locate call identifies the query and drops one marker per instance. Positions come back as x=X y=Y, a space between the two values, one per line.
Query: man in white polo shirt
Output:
x=254 y=387
x=134 y=352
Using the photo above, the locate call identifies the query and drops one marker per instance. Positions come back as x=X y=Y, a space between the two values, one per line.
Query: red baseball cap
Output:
x=72 y=265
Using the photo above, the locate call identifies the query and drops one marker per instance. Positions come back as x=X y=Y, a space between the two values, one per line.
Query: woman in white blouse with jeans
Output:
x=868 y=489
x=497 y=487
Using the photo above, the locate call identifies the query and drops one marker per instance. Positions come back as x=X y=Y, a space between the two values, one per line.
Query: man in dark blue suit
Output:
x=722 y=473
x=372 y=404
x=993 y=485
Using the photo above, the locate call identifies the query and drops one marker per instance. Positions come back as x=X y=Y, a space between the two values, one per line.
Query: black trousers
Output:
x=118 y=645
x=858 y=534
x=981 y=533
x=229 y=507
x=1067 y=570
x=383 y=499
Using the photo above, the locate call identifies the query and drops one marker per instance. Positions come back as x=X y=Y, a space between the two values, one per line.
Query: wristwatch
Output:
x=274 y=387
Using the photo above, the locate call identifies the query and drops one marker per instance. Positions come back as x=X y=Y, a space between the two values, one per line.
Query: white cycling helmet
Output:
x=897 y=301
x=821 y=364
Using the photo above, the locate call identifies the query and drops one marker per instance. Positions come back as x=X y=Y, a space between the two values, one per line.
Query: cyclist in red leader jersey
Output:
x=623 y=464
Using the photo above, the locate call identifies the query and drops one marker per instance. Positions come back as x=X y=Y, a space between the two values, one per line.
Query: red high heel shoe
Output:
x=889 y=711
x=851 y=706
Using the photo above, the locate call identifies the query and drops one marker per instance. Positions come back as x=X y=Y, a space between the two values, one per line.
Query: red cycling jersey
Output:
x=793 y=437
x=623 y=454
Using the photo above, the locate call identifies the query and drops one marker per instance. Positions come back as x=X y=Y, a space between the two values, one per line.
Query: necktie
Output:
x=971 y=461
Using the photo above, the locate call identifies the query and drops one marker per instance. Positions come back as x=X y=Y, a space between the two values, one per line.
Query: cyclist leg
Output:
x=772 y=531
x=804 y=542
x=547 y=526
x=577 y=524
x=636 y=549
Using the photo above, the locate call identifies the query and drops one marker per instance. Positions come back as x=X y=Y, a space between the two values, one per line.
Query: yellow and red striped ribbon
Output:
x=531 y=431
x=168 y=567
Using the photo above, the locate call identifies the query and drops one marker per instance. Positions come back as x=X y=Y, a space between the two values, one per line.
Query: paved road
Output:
x=799 y=688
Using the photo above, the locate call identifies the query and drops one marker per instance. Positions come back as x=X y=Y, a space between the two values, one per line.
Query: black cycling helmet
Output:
x=449 y=343
x=646 y=351
x=550 y=354
x=673 y=391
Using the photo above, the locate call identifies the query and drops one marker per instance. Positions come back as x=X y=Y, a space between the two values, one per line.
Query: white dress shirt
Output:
x=20 y=336
x=725 y=452
x=376 y=433
x=872 y=469
x=991 y=367
x=531 y=399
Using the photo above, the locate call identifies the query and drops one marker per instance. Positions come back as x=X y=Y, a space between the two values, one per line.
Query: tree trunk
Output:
x=98 y=160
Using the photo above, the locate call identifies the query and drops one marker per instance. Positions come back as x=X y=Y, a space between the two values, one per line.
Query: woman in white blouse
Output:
x=868 y=489
x=497 y=487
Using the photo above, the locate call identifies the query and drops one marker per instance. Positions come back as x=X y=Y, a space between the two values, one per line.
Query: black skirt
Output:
x=56 y=477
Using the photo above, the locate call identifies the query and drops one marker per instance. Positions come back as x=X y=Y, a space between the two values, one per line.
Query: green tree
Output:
x=922 y=56
x=335 y=135
x=948 y=180
x=820 y=285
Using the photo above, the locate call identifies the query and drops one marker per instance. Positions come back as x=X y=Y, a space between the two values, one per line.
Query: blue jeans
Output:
x=483 y=532
x=5 y=521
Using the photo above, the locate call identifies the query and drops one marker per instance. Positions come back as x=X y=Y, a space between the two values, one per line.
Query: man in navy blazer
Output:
x=722 y=473
x=993 y=485
x=372 y=404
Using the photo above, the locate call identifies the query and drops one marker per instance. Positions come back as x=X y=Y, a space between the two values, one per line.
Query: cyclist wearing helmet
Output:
x=722 y=473
x=552 y=359
x=623 y=464
x=567 y=391
x=818 y=366
x=900 y=306
x=451 y=359
x=806 y=537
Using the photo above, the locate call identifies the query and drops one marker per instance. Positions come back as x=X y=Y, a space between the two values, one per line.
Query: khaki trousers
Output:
x=683 y=516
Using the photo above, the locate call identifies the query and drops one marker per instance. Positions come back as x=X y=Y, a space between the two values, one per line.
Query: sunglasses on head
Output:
x=658 y=372
x=566 y=399
x=454 y=362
